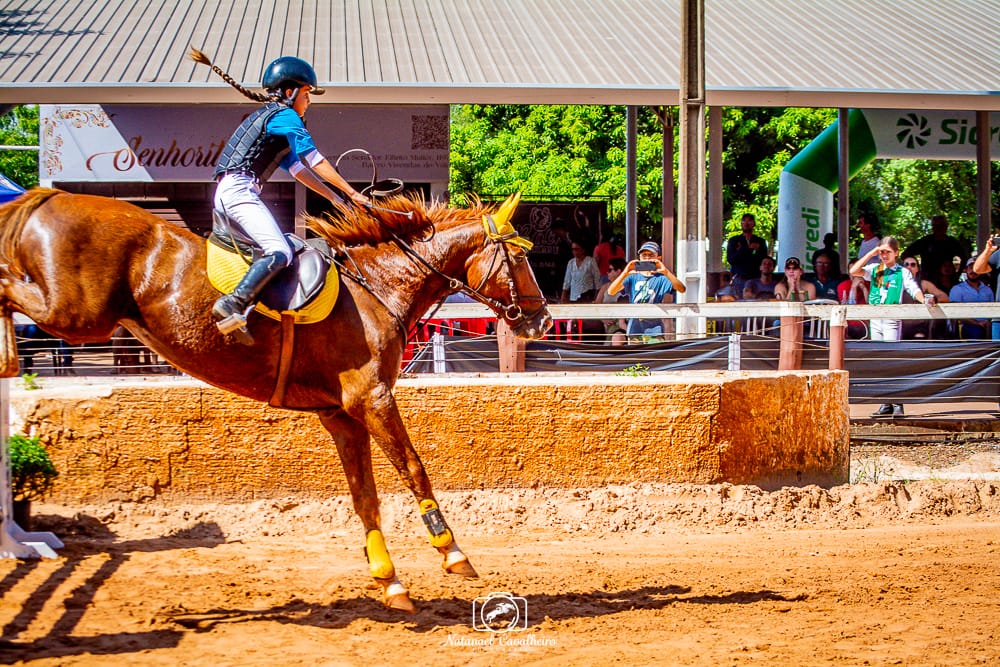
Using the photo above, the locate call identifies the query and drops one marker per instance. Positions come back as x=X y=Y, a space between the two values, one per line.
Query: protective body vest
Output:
x=251 y=149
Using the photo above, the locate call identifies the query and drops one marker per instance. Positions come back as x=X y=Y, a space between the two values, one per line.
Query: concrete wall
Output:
x=183 y=439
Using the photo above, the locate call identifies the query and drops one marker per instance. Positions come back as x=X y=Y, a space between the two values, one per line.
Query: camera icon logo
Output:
x=499 y=612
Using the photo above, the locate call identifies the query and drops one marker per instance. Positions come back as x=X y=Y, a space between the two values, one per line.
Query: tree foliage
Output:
x=905 y=194
x=19 y=127
x=579 y=151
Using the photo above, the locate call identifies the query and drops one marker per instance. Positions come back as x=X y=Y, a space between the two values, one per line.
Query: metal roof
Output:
x=864 y=53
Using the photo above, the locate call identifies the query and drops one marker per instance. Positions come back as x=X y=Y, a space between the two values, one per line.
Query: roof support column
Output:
x=984 y=194
x=716 y=230
x=631 y=208
x=691 y=243
x=668 y=225
x=668 y=228
x=843 y=190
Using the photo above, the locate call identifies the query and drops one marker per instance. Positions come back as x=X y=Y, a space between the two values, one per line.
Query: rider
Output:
x=272 y=136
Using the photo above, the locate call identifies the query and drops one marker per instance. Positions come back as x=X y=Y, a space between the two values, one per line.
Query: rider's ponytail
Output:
x=200 y=57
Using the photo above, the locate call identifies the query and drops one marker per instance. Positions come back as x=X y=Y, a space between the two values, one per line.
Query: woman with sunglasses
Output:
x=924 y=328
x=888 y=281
x=927 y=287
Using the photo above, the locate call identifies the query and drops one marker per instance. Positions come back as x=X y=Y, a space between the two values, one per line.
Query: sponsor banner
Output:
x=183 y=143
x=929 y=135
x=805 y=215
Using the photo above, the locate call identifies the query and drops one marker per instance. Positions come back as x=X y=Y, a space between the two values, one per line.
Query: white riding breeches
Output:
x=239 y=196
x=887 y=330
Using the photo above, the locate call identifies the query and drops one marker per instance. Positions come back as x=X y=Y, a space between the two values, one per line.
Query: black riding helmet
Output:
x=289 y=71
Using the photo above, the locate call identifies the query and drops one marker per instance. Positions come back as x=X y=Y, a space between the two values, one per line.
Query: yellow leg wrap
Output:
x=378 y=556
x=438 y=529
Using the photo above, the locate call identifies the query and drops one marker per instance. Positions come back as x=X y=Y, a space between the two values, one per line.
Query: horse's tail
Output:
x=13 y=216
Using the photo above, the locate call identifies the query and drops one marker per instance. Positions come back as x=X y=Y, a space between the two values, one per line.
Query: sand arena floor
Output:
x=874 y=573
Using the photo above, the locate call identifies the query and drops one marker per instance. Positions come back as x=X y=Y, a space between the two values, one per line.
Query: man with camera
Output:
x=646 y=280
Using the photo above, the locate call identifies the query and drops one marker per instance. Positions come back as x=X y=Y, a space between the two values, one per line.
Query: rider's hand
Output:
x=360 y=199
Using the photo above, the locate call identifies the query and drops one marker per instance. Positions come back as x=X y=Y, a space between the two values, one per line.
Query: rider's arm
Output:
x=305 y=156
x=307 y=178
x=326 y=171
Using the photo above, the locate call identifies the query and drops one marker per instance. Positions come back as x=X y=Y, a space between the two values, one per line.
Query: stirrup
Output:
x=236 y=325
x=233 y=322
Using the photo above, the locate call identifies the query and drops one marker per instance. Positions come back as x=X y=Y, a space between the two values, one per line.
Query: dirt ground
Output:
x=872 y=573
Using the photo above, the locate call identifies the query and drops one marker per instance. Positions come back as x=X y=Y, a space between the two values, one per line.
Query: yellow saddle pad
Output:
x=226 y=268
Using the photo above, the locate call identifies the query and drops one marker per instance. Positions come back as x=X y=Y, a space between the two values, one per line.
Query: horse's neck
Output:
x=422 y=288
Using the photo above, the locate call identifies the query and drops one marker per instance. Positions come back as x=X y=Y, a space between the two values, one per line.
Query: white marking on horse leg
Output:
x=453 y=555
x=395 y=595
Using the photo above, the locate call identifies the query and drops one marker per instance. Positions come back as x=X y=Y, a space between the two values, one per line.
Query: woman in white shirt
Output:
x=582 y=279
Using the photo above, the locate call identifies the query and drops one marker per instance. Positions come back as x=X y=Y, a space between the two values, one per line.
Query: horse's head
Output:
x=499 y=271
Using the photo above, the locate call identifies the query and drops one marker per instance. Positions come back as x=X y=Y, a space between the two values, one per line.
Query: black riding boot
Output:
x=230 y=311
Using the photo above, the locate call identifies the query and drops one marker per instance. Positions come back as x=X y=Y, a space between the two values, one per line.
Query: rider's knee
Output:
x=285 y=258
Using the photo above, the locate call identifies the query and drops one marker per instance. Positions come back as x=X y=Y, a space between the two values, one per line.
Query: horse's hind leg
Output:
x=386 y=426
x=354 y=448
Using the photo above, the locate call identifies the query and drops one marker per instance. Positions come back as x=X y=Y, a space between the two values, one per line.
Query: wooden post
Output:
x=838 y=332
x=790 y=350
x=511 y=349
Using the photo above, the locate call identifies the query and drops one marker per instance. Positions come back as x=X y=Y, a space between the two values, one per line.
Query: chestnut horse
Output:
x=79 y=265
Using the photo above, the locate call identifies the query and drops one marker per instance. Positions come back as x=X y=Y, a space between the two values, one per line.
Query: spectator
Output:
x=988 y=260
x=826 y=276
x=829 y=240
x=745 y=252
x=868 y=224
x=614 y=329
x=945 y=276
x=762 y=287
x=582 y=278
x=924 y=328
x=605 y=251
x=726 y=291
x=792 y=286
x=852 y=291
x=646 y=287
x=972 y=290
x=937 y=248
x=888 y=281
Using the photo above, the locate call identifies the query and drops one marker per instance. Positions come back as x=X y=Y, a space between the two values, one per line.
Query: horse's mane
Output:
x=355 y=225
x=13 y=215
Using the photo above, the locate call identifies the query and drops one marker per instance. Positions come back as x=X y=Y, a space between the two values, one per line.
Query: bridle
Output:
x=513 y=312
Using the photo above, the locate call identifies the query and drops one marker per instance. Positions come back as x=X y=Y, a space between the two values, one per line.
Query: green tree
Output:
x=555 y=150
x=19 y=127
x=905 y=194
x=577 y=151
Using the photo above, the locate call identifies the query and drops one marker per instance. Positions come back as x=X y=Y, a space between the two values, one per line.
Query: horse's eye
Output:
x=518 y=256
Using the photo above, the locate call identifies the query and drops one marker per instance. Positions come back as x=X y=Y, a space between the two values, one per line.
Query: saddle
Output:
x=307 y=289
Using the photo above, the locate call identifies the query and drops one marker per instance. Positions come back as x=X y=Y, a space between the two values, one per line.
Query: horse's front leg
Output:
x=354 y=447
x=386 y=427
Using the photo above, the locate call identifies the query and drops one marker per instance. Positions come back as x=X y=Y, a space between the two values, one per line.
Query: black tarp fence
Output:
x=907 y=371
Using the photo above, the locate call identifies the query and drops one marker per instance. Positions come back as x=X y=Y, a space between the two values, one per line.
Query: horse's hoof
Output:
x=400 y=602
x=462 y=567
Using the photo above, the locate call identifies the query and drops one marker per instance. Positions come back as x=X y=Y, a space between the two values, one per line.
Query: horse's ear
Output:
x=506 y=210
